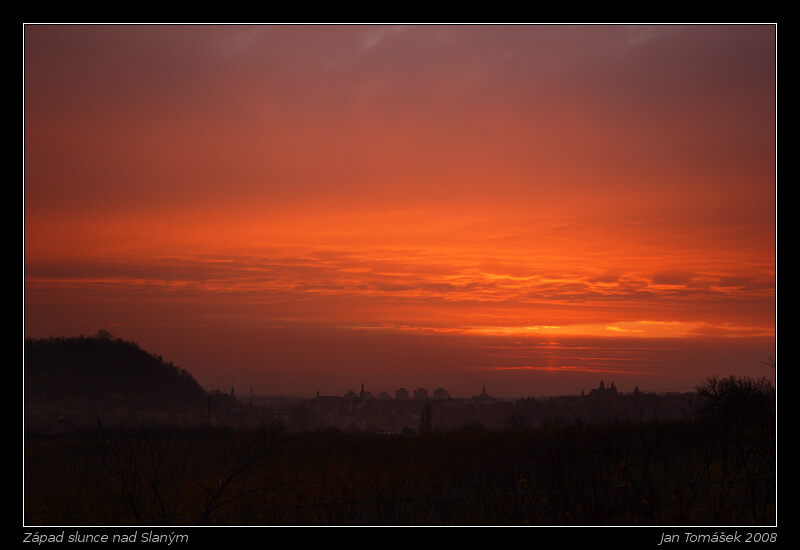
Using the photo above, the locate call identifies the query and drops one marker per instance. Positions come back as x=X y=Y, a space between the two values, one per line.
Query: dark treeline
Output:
x=701 y=458
x=715 y=466
x=85 y=376
x=444 y=414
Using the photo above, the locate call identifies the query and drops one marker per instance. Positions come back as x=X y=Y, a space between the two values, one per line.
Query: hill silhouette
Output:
x=86 y=376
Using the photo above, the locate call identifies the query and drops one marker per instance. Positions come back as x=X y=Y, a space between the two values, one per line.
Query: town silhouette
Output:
x=147 y=445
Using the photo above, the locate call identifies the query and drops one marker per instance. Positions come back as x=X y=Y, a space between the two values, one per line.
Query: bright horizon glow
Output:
x=305 y=207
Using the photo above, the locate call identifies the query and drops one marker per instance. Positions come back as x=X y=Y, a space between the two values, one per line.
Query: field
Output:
x=716 y=467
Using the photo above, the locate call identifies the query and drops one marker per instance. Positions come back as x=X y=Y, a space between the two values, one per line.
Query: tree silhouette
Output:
x=426 y=418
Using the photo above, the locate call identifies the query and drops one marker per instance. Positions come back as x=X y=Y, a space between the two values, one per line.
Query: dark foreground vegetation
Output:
x=117 y=436
x=82 y=377
x=714 y=466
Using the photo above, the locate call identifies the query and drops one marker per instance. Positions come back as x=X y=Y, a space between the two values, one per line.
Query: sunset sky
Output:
x=303 y=208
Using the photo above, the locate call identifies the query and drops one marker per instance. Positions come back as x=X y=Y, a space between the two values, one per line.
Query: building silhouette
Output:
x=483 y=396
x=603 y=390
x=441 y=393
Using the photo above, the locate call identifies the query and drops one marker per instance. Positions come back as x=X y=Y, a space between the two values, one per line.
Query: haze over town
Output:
x=300 y=208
